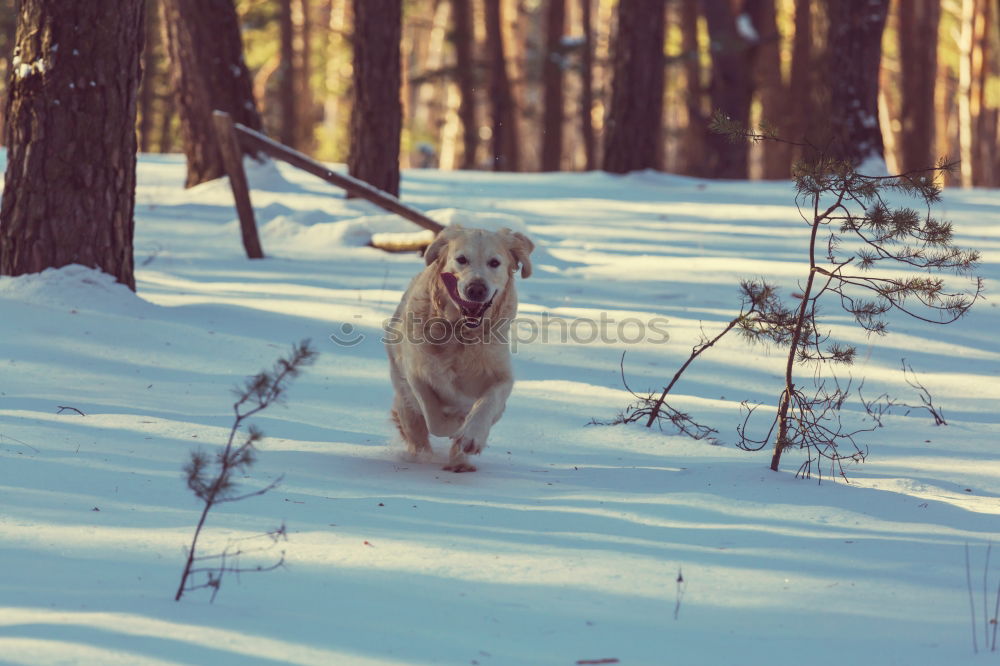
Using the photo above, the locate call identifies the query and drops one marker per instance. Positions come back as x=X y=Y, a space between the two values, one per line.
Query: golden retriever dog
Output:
x=449 y=358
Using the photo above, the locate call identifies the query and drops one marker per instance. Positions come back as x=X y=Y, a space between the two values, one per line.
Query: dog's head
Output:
x=476 y=266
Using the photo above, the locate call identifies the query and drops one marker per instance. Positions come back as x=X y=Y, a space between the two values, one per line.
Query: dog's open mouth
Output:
x=472 y=311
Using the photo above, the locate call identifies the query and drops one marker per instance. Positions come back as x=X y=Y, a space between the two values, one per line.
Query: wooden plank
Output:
x=232 y=159
x=253 y=140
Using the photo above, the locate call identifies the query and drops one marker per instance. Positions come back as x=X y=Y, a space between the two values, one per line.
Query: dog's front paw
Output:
x=458 y=467
x=469 y=443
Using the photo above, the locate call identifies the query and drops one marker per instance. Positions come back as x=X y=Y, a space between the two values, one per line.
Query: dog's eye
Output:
x=494 y=263
x=461 y=261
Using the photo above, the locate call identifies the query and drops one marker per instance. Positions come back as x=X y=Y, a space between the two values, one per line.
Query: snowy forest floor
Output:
x=567 y=545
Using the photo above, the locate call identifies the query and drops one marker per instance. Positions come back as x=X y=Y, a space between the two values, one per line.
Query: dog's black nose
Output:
x=476 y=290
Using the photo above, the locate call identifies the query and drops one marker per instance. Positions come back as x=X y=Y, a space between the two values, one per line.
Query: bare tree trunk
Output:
x=69 y=191
x=463 y=37
x=428 y=115
x=771 y=90
x=286 y=75
x=147 y=92
x=918 y=41
x=694 y=150
x=376 y=119
x=336 y=86
x=731 y=88
x=165 y=132
x=800 y=85
x=634 y=129
x=8 y=29
x=854 y=53
x=208 y=73
x=552 y=84
x=504 y=142
x=304 y=104
x=587 y=88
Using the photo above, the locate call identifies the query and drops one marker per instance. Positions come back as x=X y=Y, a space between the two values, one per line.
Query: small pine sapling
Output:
x=210 y=478
x=761 y=318
x=855 y=238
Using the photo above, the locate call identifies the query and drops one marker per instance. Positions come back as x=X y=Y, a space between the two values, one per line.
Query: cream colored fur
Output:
x=451 y=380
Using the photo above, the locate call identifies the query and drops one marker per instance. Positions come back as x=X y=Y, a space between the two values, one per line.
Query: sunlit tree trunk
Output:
x=771 y=90
x=69 y=189
x=693 y=149
x=587 y=87
x=287 y=103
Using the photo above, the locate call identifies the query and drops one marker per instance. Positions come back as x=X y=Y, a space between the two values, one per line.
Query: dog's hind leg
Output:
x=412 y=426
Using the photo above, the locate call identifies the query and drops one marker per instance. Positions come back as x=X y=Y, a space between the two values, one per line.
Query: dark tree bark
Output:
x=504 y=142
x=801 y=83
x=696 y=136
x=465 y=76
x=69 y=191
x=307 y=114
x=918 y=40
x=634 y=127
x=731 y=88
x=587 y=87
x=771 y=90
x=854 y=53
x=552 y=85
x=8 y=29
x=286 y=75
x=207 y=73
x=376 y=118
x=147 y=92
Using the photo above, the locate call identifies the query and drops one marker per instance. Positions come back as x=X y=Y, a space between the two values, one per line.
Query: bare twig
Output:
x=681 y=589
x=258 y=393
x=65 y=408
x=972 y=602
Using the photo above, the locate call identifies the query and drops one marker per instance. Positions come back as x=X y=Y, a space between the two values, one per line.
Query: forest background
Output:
x=936 y=68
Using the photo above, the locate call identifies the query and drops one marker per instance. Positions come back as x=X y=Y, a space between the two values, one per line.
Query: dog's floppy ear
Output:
x=520 y=248
x=439 y=243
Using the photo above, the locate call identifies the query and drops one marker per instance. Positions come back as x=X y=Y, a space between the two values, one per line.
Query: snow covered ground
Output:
x=565 y=548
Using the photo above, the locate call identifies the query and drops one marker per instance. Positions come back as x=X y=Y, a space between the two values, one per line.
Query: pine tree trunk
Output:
x=854 y=54
x=552 y=84
x=305 y=107
x=287 y=103
x=802 y=114
x=919 y=21
x=504 y=141
x=694 y=139
x=465 y=76
x=587 y=87
x=376 y=119
x=771 y=90
x=208 y=73
x=731 y=88
x=69 y=191
x=147 y=88
x=634 y=127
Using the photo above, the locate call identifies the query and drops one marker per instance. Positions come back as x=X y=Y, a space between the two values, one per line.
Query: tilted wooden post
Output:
x=253 y=140
x=232 y=159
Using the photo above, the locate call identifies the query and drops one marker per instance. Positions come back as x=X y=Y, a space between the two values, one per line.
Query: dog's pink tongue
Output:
x=451 y=284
